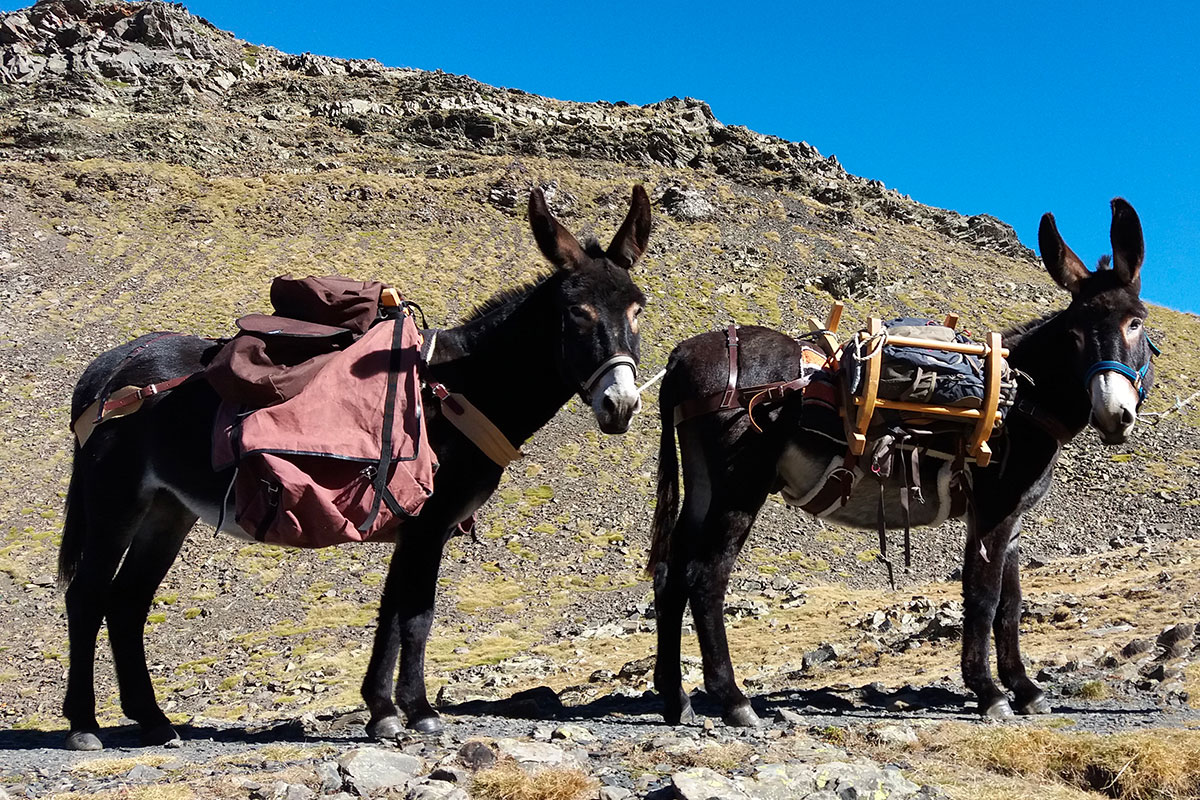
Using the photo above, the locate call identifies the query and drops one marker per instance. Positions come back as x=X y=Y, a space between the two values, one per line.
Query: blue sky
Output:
x=1008 y=109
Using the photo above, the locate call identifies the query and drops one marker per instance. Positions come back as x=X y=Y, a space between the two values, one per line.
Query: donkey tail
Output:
x=70 y=552
x=666 y=511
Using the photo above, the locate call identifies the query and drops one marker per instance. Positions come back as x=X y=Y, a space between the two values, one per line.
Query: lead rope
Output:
x=658 y=376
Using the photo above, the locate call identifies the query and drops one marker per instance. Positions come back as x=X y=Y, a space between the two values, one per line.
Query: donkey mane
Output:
x=515 y=294
x=506 y=297
x=1016 y=333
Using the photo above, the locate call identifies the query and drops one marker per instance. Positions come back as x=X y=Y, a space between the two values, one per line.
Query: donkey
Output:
x=1089 y=363
x=140 y=482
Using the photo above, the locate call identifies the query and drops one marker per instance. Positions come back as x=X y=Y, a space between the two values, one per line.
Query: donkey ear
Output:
x=1127 y=245
x=556 y=243
x=1062 y=264
x=631 y=240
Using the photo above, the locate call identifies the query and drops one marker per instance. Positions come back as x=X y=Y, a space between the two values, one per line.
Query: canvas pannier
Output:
x=322 y=416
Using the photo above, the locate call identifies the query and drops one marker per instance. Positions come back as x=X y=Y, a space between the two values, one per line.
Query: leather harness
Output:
x=748 y=398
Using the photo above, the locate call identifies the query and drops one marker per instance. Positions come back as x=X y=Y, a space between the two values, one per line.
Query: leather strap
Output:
x=622 y=359
x=1051 y=425
x=883 y=542
x=749 y=397
x=731 y=346
x=120 y=403
x=141 y=394
x=475 y=426
x=837 y=488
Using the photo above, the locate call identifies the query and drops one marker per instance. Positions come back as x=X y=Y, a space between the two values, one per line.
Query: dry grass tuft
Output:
x=1093 y=690
x=510 y=782
x=1160 y=764
x=103 y=767
x=724 y=756
x=171 y=791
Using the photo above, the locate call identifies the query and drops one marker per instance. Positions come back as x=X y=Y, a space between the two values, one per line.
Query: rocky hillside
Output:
x=156 y=172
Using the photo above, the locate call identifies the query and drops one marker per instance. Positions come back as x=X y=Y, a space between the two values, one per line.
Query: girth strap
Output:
x=837 y=488
x=731 y=345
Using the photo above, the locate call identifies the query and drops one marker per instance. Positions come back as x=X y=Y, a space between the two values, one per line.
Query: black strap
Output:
x=389 y=415
x=883 y=542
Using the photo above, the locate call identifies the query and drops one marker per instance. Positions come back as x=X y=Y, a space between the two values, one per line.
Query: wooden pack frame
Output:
x=858 y=420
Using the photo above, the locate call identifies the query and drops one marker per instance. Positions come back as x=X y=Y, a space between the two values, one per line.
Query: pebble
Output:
x=476 y=755
x=573 y=732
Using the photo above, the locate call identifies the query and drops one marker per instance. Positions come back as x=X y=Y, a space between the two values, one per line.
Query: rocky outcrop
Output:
x=107 y=61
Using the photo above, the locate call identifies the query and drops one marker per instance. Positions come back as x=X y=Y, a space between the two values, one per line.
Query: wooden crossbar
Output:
x=980 y=350
x=921 y=408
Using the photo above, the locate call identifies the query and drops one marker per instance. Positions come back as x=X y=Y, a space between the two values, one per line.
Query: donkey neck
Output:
x=1046 y=354
x=507 y=362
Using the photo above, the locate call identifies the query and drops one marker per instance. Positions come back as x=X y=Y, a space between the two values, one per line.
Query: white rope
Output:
x=657 y=377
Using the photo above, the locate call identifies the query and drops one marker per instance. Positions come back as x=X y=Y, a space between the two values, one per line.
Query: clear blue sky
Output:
x=1008 y=109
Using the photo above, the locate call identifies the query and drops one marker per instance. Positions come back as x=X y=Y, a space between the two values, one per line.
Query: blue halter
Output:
x=1136 y=377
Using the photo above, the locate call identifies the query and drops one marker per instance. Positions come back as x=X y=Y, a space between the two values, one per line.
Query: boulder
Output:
x=538 y=755
x=702 y=783
x=371 y=769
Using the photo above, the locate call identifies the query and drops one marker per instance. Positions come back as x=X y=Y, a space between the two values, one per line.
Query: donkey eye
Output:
x=580 y=314
x=1134 y=324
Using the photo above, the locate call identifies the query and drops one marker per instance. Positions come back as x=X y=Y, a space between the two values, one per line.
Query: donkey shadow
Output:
x=859 y=704
x=128 y=737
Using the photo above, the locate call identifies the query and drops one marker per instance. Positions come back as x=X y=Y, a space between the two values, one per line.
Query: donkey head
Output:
x=1107 y=319
x=599 y=305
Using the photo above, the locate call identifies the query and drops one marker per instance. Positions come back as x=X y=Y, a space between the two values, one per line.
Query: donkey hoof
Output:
x=1038 y=705
x=680 y=716
x=83 y=740
x=431 y=724
x=742 y=717
x=999 y=709
x=384 y=728
x=161 y=736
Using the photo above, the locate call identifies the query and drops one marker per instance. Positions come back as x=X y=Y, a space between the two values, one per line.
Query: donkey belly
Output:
x=803 y=473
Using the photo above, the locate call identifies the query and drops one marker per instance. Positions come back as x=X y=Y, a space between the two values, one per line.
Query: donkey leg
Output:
x=670 y=599
x=86 y=601
x=982 y=570
x=671 y=584
x=708 y=574
x=405 y=619
x=1030 y=698
x=151 y=554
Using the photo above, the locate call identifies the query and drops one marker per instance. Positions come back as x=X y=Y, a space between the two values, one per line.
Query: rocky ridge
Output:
x=88 y=61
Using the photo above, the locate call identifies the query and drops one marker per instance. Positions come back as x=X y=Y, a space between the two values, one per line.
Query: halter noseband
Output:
x=1136 y=377
x=622 y=359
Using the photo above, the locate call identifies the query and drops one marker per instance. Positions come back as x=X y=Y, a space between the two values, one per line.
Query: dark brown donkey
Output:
x=1087 y=363
x=141 y=482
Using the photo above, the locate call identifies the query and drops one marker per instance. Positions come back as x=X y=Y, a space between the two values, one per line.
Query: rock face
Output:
x=155 y=57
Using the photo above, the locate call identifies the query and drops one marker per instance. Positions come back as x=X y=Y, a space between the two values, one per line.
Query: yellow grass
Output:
x=1161 y=764
x=510 y=782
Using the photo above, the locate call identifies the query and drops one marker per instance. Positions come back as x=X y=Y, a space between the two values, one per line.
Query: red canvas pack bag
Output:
x=347 y=457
